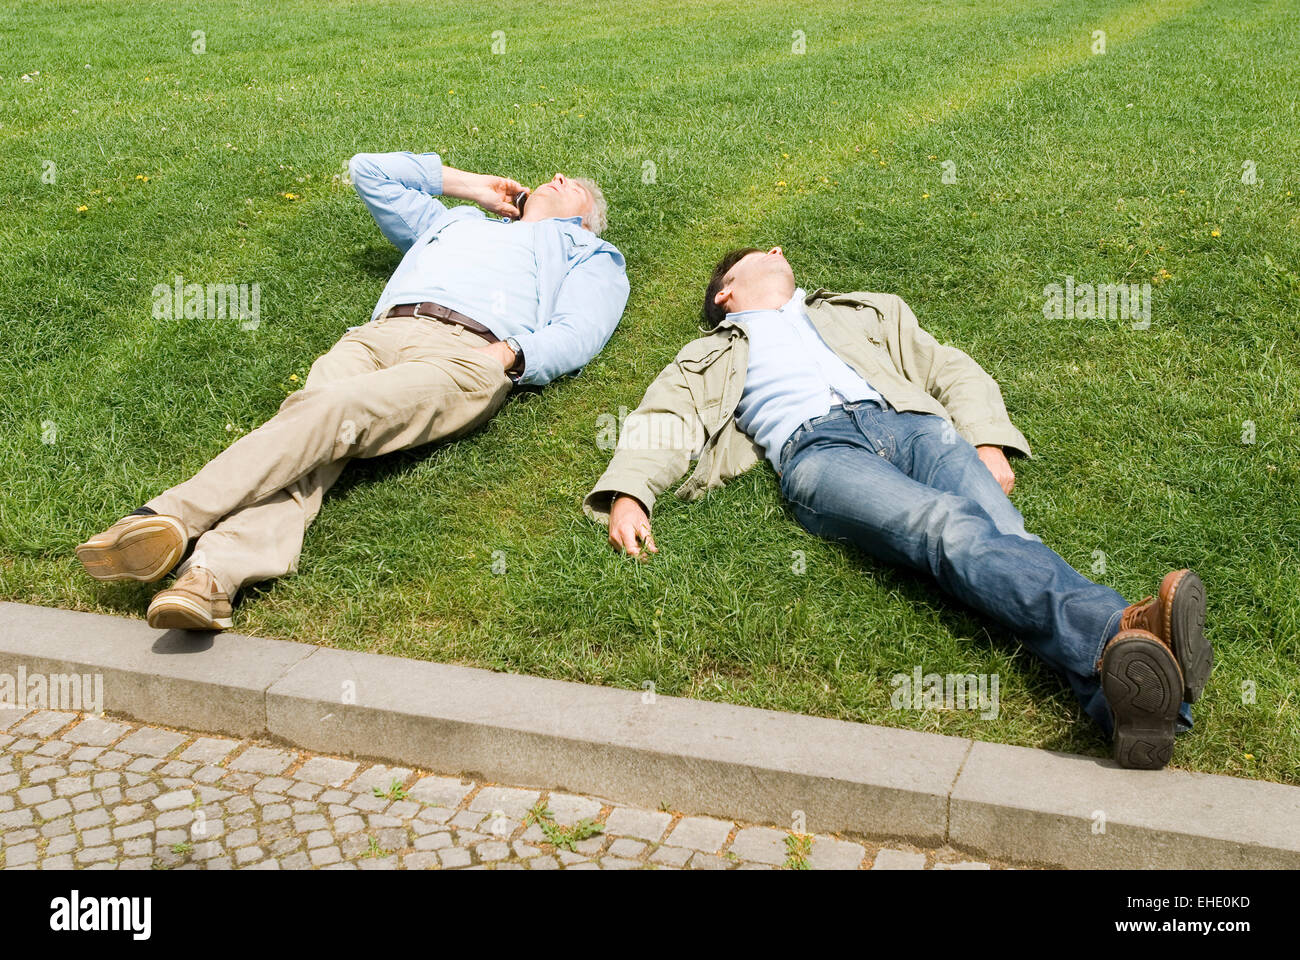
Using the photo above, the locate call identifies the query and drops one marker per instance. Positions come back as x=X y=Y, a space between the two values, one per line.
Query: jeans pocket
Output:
x=882 y=441
x=789 y=445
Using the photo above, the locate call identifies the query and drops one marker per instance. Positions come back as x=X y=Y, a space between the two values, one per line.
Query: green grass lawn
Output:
x=1116 y=167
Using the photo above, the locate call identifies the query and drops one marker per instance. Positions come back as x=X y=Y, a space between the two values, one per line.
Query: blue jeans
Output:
x=907 y=489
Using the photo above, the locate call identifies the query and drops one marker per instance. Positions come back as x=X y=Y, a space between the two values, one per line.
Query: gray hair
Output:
x=597 y=217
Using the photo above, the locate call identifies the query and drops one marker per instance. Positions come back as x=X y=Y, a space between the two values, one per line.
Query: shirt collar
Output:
x=793 y=305
x=576 y=221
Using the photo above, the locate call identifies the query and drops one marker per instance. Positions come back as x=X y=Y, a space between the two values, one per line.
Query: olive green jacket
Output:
x=689 y=411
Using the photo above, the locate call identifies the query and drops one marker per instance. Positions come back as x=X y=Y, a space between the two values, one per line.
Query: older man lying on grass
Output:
x=477 y=305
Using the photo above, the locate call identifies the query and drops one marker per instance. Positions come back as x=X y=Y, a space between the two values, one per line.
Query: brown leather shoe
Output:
x=142 y=546
x=1143 y=685
x=1177 y=616
x=194 y=602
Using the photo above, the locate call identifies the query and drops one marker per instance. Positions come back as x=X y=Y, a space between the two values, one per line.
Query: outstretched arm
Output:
x=655 y=447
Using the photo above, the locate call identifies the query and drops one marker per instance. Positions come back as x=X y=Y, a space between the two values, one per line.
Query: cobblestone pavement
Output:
x=102 y=793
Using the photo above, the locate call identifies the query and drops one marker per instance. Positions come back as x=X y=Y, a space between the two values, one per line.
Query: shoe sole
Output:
x=144 y=552
x=1142 y=683
x=182 y=613
x=1186 y=618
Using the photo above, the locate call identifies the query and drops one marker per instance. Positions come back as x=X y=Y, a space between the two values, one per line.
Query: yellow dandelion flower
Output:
x=925 y=196
x=82 y=209
x=289 y=196
x=1214 y=233
x=933 y=157
x=780 y=183
x=141 y=176
x=1250 y=756
x=293 y=378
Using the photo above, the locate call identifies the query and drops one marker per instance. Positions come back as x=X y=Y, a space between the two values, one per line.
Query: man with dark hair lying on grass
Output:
x=887 y=439
x=477 y=305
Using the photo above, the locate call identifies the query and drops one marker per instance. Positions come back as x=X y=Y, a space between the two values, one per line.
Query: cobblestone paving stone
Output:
x=102 y=793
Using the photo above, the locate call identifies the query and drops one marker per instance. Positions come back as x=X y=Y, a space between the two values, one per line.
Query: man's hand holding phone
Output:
x=497 y=195
x=494 y=194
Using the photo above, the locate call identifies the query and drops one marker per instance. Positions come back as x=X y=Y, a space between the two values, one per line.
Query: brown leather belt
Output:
x=436 y=311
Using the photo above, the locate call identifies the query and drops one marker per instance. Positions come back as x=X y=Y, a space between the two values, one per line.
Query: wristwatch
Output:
x=516 y=369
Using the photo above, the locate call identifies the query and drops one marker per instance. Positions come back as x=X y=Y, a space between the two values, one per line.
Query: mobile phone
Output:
x=520 y=198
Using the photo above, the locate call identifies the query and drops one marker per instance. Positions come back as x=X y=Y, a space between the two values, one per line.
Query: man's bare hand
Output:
x=501 y=352
x=629 y=526
x=494 y=194
x=497 y=195
x=996 y=461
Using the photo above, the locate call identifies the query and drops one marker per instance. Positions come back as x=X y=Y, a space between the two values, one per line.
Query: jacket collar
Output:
x=730 y=327
x=822 y=294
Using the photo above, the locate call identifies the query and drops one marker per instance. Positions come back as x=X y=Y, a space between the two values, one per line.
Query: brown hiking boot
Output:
x=143 y=546
x=1177 y=616
x=194 y=602
x=1143 y=685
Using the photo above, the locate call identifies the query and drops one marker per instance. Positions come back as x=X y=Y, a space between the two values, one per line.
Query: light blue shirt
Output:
x=553 y=285
x=792 y=376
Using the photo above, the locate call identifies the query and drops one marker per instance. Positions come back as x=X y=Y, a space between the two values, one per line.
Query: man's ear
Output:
x=722 y=296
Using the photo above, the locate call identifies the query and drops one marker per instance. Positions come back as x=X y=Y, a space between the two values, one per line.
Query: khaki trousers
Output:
x=389 y=385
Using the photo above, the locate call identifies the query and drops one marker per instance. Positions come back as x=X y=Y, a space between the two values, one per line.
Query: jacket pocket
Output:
x=698 y=365
x=705 y=385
